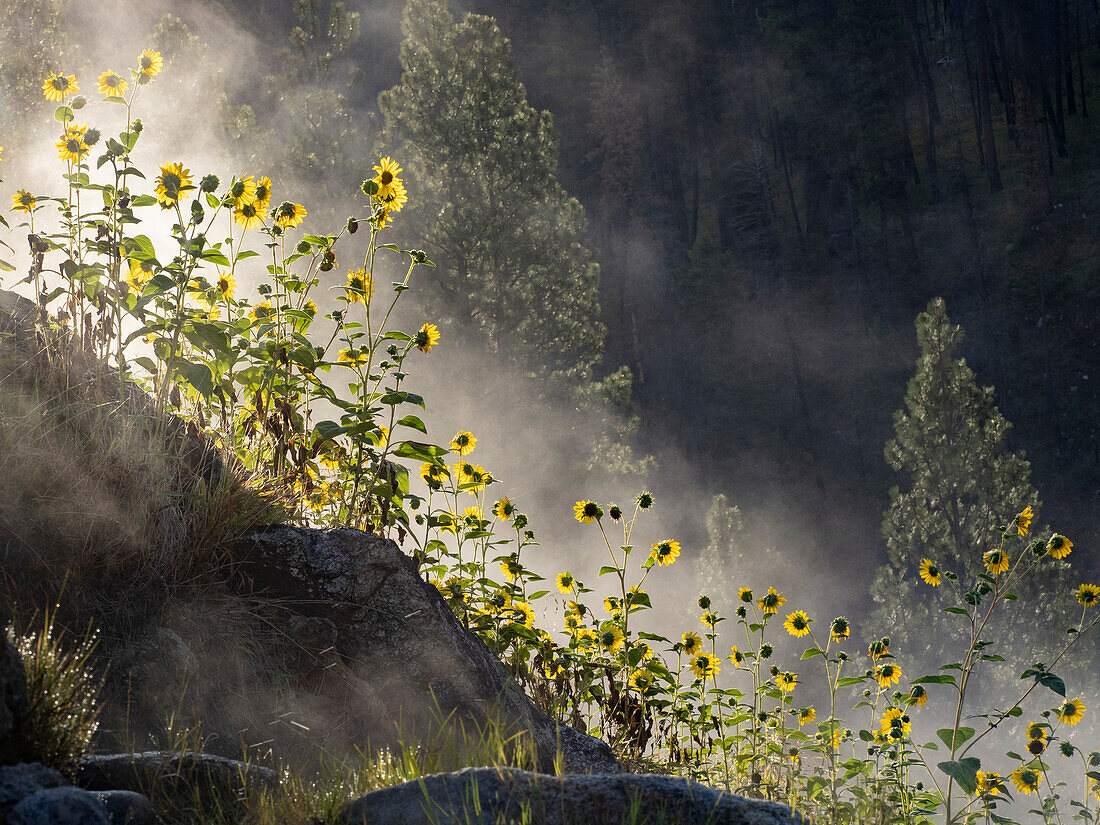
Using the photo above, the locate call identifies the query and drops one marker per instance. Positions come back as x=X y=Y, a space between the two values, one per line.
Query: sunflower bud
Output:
x=765 y=651
x=353 y=226
x=704 y=602
x=78 y=102
x=137 y=126
x=209 y=183
x=91 y=137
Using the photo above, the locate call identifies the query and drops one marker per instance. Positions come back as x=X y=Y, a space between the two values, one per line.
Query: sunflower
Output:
x=71 y=147
x=641 y=680
x=149 y=64
x=1023 y=521
x=433 y=474
x=991 y=783
x=288 y=215
x=137 y=276
x=1036 y=731
x=930 y=573
x=1088 y=595
x=360 y=286
x=1095 y=789
x=242 y=191
x=1072 y=711
x=354 y=356
x=878 y=650
x=887 y=674
x=174 y=180
x=917 y=696
x=1059 y=546
x=736 y=656
x=463 y=443
x=786 y=681
x=710 y=618
x=705 y=666
x=225 y=285
x=647 y=651
x=504 y=508
x=611 y=604
x=587 y=512
x=996 y=561
x=840 y=629
x=664 y=552
x=427 y=337
x=771 y=601
x=566 y=582
x=248 y=217
x=645 y=500
x=112 y=85
x=573 y=623
x=309 y=308
x=263 y=311
x=744 y=594
x=511 y=568
x=387 y=180
x=797 y=624
x=610 y=638
x=58 y=86
x=522 y=613
x=690 y=642
x=471 y=517
x=24 y=201
x=636 y=595
x=1026 y=780
x=263 y=194
x=806 y=715
x=396 y=201
x=895 y=724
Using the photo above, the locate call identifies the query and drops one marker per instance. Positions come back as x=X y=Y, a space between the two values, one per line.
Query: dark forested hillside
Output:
x=796 y=179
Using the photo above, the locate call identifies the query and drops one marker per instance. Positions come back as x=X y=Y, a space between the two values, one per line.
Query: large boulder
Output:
x=173 y=777
x=486 y=796
x=17 y=782
x=13 y=697
x=59 y=806
x=397 y=635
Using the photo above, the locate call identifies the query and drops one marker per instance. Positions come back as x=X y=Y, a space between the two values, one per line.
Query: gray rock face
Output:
x=487 y=796
x=398 y=634
x=13 y=697
x=59 y=806
x=164 y=774
x=126 y=807
x=20 y=781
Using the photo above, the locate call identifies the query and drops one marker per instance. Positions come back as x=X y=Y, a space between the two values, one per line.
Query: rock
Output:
x=59 y=806
x=13 y=697
x=20 y=781
x=398 y=634
x=126 y=807
x=486 y=796
x=312 y=641
x=174 y=652
x=170 y=775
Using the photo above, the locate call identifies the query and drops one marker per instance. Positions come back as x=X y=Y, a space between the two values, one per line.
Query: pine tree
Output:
x=484 y=201
x=964 y=485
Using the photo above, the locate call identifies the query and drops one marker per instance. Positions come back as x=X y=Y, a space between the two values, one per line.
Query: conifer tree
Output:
x=963 y=486
x=507 y=239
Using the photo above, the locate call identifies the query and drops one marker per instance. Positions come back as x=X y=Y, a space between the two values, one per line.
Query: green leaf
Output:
x=954 y=738
x=197 y=375
x=813 y=651
x=1049 y=680
x=849 y=681
x=938 y=679
x=418 y=451
x=414 y=422
x=964 y=771
x=607 y=568
x=957 y=610
x=63 y=114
